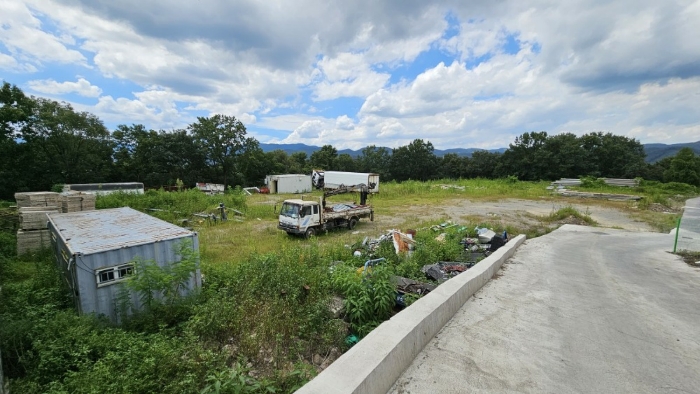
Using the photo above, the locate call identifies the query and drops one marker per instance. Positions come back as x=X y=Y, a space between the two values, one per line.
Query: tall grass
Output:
x=462 y=188
x=174 y=206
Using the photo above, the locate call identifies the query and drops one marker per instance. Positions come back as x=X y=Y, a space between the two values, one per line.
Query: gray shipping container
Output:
x=95 y=251
x=289 y=183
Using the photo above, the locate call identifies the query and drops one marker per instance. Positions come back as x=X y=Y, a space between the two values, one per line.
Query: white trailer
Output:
x=330 y=180
x=288 y=183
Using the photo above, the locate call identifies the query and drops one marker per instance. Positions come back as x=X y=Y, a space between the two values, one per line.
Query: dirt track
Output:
x=518 y=213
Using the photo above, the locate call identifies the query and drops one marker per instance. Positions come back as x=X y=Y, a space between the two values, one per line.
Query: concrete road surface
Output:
x=581 y=310
x=689 y=234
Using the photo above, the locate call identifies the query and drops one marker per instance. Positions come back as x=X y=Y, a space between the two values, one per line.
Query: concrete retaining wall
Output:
x=379 y=359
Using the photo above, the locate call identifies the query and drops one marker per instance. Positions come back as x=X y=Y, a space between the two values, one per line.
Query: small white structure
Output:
x=95 y=251
x=105 y=188
x=288 y=183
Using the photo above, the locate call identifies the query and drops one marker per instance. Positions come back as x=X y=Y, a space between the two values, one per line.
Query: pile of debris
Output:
x=560 y=187
x=476 y=248
x=564 y=182
x=403 y=242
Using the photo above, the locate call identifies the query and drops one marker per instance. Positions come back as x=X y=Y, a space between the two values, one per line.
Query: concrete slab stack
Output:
x=34 y=218
x=36 y=199
x=33 y=207
x=72 y=201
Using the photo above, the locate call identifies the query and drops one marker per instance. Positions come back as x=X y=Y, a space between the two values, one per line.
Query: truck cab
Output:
x=300 y=217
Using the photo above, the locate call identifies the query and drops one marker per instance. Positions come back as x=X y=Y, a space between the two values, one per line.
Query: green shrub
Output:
x=369 y=297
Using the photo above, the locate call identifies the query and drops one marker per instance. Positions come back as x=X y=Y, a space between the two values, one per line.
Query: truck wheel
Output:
x=309 y=233
x=352 y=223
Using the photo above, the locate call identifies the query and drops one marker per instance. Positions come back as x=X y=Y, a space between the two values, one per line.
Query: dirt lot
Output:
x=514 y=212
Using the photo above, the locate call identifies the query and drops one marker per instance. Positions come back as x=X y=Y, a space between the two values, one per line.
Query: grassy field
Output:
x=262 y=317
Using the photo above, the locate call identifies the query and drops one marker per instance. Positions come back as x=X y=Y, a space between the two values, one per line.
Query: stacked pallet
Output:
x=72 y=201
x=33 y=207
x=36 y=199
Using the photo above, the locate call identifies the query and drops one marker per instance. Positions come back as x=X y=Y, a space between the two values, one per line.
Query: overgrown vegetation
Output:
x=569 y=215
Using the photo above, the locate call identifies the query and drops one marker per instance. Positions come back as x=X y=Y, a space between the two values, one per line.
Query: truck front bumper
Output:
x=290 y=229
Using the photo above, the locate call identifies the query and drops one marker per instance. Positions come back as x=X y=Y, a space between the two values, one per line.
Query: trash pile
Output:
x=402 y=243
x=484 y=242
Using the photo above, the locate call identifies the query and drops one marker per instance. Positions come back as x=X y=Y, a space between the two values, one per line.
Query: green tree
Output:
x=253 y=164
x=483 y=164
x=67 y=146
x=126 y=143
x=276 y=162
x=568 y=158
x=614 y=156
x=15 y=112
x=684 y=167
x=375 y=160
x=415 y=161
x=345 y=162
x=299 y=163
x=222 y=138
x=324 y=158
x=527 y=157
x=453 y=166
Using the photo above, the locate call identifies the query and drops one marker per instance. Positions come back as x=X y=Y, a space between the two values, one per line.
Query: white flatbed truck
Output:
x=308 y=217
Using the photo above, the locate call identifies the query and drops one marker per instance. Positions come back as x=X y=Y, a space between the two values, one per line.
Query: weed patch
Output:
x=691 y=258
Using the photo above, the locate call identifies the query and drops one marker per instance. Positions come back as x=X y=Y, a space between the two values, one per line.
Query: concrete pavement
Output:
x=580 y=310
x=689 y=234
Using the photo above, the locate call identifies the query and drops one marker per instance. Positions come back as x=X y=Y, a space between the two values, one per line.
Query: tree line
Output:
x=44 y=142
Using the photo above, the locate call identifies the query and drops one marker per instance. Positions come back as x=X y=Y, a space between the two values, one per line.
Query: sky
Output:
x=460 y=74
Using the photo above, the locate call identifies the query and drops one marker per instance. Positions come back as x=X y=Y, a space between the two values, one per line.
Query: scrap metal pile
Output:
x=484 y=242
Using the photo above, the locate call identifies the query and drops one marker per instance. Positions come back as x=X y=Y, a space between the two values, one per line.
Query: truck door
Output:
x=307 y=219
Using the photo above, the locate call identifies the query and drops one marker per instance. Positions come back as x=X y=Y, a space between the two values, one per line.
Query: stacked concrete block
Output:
x=72 y=201
x=34 y=218
x=33 y=207
x=36 y=199
x=32 y=241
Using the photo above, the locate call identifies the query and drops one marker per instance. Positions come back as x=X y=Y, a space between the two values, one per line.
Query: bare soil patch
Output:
x=515 y=212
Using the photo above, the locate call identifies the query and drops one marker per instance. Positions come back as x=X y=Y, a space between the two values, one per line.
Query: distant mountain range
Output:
x=655 y=152
x=309 y=149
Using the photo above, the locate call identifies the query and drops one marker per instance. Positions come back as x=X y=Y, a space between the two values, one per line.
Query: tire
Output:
x=310 y=232
x=352 y=223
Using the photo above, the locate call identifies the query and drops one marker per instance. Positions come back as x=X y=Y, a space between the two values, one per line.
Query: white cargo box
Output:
x=336 y=179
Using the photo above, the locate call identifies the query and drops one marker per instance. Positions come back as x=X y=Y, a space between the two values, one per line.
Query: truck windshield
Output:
x=290 y=210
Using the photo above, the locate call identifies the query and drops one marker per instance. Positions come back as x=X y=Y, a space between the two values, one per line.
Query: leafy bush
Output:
x=590 y=182
x=369 y=297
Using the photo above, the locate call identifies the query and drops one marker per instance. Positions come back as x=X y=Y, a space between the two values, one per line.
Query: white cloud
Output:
x=581 y=65
x=7 y=62
x=82 y=87
x=347 y=75
x=22 y=33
